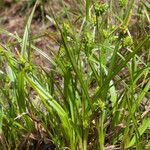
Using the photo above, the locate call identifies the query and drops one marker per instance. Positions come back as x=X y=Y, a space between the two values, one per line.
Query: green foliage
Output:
x=100 y=8
x=122 y=3
x=83 y=101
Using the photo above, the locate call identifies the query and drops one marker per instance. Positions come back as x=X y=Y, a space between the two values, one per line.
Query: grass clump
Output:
x=92 y=96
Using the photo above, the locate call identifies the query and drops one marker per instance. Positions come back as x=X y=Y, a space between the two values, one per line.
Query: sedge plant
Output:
x=83 y=100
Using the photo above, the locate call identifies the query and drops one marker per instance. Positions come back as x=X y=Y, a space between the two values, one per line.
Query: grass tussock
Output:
x=95 y=94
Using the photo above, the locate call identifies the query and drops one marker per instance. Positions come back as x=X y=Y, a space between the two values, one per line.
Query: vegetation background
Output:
x=75 y=74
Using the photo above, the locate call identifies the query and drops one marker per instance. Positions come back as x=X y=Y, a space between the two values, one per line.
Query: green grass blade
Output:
x=142 y=129
x=26 y=34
